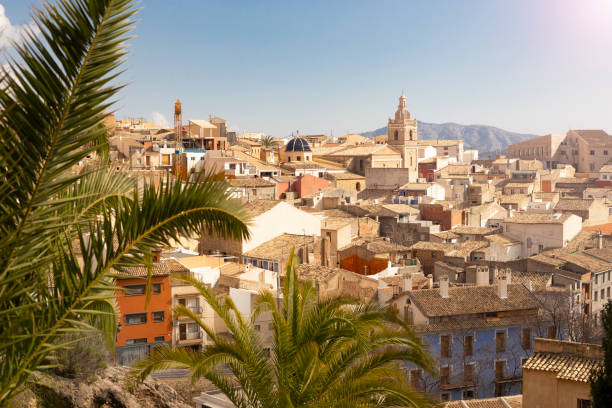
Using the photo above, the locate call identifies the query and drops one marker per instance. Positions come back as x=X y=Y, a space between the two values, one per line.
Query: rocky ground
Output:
x=111 y=389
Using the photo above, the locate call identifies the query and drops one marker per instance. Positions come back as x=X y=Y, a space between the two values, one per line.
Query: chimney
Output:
x=502 y=287
x=444 y=286
x=156 y=255
x=600 y=240
x=407 y=281
x=482 y=276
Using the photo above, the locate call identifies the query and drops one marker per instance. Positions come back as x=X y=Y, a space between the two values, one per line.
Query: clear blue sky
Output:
x=522 y=65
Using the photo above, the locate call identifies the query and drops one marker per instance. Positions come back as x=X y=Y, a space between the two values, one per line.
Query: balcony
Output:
x=190 y=338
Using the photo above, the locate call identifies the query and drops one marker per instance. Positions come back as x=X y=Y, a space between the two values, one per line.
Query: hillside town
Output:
x=496 y=263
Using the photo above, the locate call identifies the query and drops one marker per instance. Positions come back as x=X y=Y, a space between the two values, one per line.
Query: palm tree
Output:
x=326 y=353
x=53 y=105
x=269 y=142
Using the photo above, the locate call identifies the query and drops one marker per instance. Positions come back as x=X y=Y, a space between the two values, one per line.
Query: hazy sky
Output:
x=533 y=66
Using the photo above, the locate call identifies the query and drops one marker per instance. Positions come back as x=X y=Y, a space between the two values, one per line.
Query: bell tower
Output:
x=402 y=130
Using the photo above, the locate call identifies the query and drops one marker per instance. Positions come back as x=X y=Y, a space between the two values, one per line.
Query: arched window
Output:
x=395 y=135
x=358 y=186
x=410 y=134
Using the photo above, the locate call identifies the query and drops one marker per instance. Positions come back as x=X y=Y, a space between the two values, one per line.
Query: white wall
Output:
x=283 y=218
x=547 y=235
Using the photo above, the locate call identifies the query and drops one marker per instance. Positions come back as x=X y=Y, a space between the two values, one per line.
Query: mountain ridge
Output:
x=485 y=138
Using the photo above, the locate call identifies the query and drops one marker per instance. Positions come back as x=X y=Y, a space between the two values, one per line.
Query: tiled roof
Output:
x=279 y=248
x=539 y=280
x=445 y=235
x=502 y=239
x=595 y=137
x=378 y=246
x=460 y=300
x=514 y=199
x=578 y=204
x=567 y=366
x=586 y=261
x=535 y=218
x=515 y=401
x=250 y=182
x=471 y=324
x=164 y=268
x=465 y=229
x=572 y=180
x=606 y=169
x=601 y=253
x=258 y=207
x=398 y=209
x=462 y=249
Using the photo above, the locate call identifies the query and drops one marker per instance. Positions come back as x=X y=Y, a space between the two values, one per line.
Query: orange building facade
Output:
x=139 y=328
x=356 y=264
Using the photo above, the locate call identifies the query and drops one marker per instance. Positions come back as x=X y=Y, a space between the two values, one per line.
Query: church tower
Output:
x=402 y=131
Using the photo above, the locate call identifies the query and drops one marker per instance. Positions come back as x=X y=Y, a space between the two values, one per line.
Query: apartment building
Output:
x=480 y=345
x=538 y=232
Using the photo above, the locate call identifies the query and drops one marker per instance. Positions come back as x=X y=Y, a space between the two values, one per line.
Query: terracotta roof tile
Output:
x=460 y=300
x=567 y=366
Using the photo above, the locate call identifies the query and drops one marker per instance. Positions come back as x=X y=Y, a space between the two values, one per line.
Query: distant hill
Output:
x=481 y=137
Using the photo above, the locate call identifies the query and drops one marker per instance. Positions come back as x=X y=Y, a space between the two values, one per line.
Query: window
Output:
x=135 y=318
x=608 y=292
x=596 y=277
x=500 y=369
x=468 y=372
x=551 y=332
x=136 y=341
x=158 y=316
x=416 y=379
x=468 y=346
x=603 y=294
x=395 y=135
x=605 y=152
x=526 y=338
x=445 y=351
x=582 y=403
x=257 y=327
x=444 y=375
x=500 y=342
x=160 y=338
x=595 y=295
x=298 y=158
x=468 y=394
x=540 y=247
x=360 y=164
x=157 y=288
x=592 y=152
x=270 y=326
x=135 y=290
x=445 y=396
x=592 y=167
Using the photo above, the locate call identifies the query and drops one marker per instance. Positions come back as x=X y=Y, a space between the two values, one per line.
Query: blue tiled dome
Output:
x=298 y=144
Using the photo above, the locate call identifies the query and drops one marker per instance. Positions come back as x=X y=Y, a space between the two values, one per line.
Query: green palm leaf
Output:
x=64 y=236
x=326 y=353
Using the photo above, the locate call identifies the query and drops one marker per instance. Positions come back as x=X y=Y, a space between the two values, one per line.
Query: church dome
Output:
x=298 y=144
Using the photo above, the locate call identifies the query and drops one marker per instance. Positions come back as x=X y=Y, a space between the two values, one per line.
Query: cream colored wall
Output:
x=549 y=235
x=283 y=218
x=379 y=161
x=540 y=389
x=568 y=393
